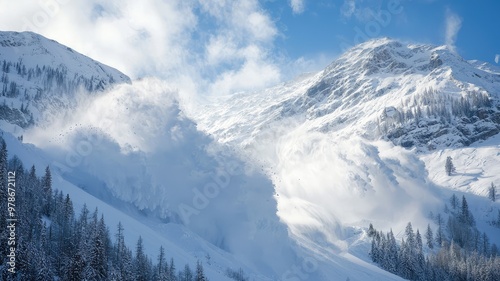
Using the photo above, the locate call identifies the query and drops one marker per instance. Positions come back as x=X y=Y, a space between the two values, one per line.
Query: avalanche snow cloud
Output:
x=134 y=143
x=321 y=138
x=299 y=169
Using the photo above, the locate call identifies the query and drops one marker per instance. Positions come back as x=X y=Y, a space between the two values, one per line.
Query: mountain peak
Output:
x=34 y=49
x=390 y=56
x=378 y=42
x=39 y=76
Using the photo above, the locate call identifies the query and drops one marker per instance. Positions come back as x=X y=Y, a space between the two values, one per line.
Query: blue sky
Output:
x=327 y=26
x=225 y=46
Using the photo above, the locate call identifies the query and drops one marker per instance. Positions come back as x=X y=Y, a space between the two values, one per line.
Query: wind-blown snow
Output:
x=317 y=138
x=281 y=179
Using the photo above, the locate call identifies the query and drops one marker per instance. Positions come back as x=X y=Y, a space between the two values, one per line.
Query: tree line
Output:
x=54 y=82
x=55 y=243
x=456 y=250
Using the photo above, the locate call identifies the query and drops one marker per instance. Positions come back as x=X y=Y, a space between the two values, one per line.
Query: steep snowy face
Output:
x=40 y=76
x=414 y=95
x=322 y=138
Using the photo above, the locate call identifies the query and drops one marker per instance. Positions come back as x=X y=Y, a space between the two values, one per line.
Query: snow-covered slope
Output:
x=40 y=76
x=364 y=141
x=414 y=95
x=281 y=182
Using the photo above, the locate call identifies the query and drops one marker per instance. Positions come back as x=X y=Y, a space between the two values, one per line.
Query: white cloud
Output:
x=453 y=25
x=297 y=6
x=243 y=41
x=167 y=39
x=131 y=36
x=254 y=74
x=497 y=58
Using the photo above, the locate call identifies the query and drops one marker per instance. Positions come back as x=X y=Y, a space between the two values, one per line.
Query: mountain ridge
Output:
x=315 y=166
x=429 y=82
x=41 y=76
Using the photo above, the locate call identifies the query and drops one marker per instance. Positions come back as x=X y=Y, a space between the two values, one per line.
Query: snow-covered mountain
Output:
x=366 y=139
x=281 y=182
x=414 y=95
x=41 y=75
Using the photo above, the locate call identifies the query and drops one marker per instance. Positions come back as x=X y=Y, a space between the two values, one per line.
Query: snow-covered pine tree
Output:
x=492 y=192
x=141 y=262
x=465 y=215
x=449 y=167
x=161 y=266
x=186 y=274
x=392 y=253
x=420 y=258
x=408 y=254
x=371 y=231
x=429 y=237
x=200 y=275
x=47 y=192
x=98 y=255
x=127 y=270
x=454 y=202
x=171 y=276
x=485 y=249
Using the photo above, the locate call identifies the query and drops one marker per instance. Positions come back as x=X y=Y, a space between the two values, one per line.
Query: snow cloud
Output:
x=200 y=42
x=453 y=25
x=297 y=6
x=239 y=52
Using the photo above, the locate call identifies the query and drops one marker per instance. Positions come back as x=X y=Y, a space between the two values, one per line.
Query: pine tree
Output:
x=76 y=267
x=47 y=192
x=374 y=252
x=171 y=271
x=127 y=270
x=429 y=237
x=408 y=254
x=120 y=243
x=485 y=245
x=371 y=231
x=492 y=192
x=420 y=259
x=162 y=266
x=392 y=253
x=43 y=267
x=200 y=276
x=465 y=215
x=141 y=262
x=494 y=250
x=439 y=232
x=449 y=167
x=98 y=256
x=186 y=274
x=454 y=201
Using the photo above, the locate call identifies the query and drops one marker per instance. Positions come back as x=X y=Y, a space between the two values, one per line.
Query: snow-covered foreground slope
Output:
x=182 y=244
